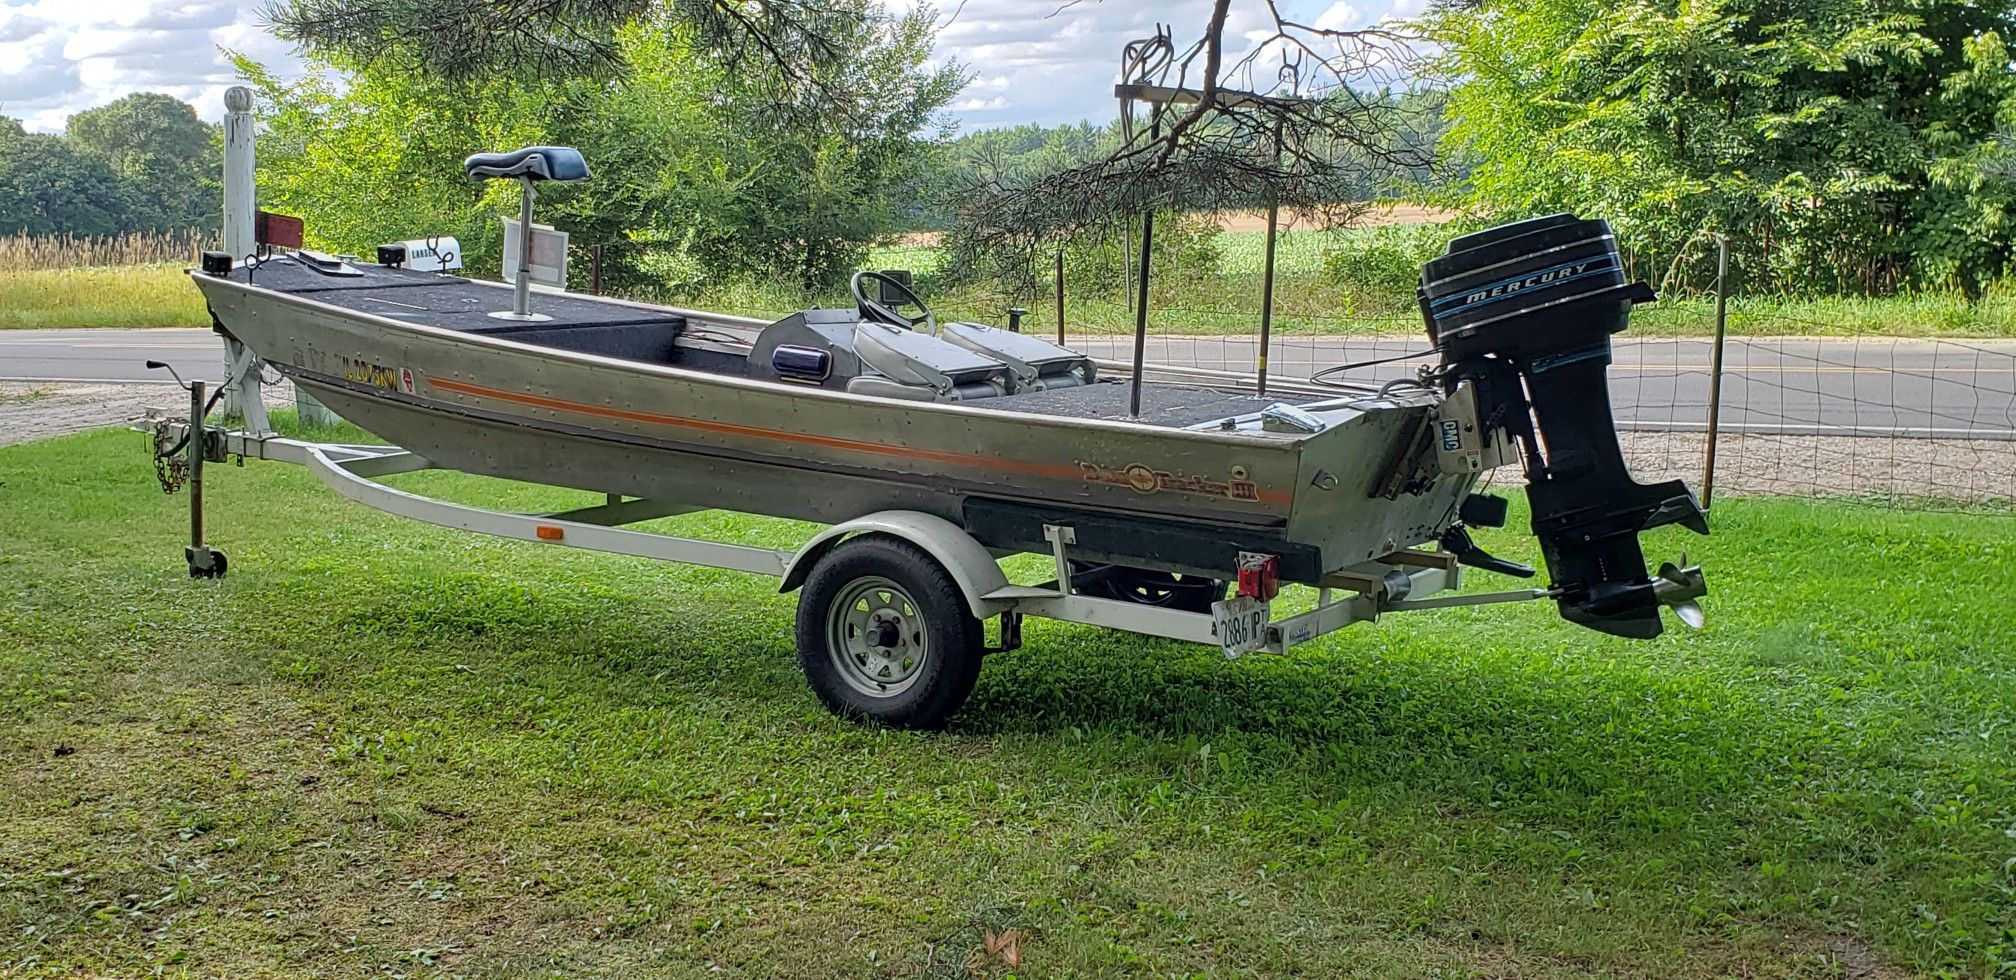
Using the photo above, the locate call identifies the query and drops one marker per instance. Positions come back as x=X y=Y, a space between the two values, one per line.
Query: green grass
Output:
x=381 y=747
x=100 y=296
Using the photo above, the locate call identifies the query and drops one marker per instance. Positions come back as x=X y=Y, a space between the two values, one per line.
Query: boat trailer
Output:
x=878 y=594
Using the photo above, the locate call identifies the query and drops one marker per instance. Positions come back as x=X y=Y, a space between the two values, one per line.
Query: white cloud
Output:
x=1339 y=17
x=59 y=56
x=1045 y=61
x=1049 y=61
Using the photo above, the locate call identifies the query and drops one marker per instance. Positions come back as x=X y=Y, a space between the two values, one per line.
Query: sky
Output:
x=1039 y=61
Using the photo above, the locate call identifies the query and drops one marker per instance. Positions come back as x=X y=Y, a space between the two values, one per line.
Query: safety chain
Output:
x=170 y=467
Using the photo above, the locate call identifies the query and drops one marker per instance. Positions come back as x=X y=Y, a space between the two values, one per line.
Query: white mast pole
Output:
x=241 y=399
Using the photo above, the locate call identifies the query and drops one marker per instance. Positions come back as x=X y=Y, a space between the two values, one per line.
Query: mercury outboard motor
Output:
x=1523 y=313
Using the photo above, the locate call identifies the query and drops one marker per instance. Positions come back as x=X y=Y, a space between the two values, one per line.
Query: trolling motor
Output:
x=1523 y=314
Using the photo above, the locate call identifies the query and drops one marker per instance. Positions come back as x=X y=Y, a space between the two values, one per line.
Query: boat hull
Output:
x=523 y=412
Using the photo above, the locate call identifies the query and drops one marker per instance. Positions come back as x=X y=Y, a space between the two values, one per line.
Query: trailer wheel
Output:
x=884 y=634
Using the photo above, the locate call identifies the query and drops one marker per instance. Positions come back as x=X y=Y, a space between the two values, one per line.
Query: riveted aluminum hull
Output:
x=500 y=408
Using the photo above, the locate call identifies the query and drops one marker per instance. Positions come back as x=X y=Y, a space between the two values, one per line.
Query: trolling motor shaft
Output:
x=1524 y=313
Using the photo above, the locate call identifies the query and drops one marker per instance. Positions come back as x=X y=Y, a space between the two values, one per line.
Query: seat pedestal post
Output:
x=521 y=293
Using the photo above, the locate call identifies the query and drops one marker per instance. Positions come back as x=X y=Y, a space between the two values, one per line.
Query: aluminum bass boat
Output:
x=970 y=442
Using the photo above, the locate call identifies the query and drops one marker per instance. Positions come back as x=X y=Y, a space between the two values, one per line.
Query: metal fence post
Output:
x=1141 y=312
x=595 y=269
x=1715 y=368
x=1058 y=276
x=1267 y=276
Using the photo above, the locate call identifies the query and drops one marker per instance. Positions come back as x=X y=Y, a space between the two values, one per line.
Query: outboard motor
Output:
x=1523 y=313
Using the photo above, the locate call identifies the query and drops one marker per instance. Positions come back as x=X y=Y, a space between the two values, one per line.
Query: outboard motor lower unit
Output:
x=1524 y=312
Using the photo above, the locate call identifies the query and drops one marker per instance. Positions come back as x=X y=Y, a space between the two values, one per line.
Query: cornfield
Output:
x=73 y=251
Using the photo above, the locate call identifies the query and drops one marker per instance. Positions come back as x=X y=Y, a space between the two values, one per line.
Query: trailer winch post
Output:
x=241 y=368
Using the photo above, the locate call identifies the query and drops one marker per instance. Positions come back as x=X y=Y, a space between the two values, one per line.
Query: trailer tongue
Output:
x=1523 y=314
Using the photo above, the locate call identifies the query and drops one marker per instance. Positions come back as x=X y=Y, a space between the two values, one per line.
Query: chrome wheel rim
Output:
x=876 y=636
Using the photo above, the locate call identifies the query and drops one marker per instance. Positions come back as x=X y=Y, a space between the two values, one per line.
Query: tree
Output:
x=1304 y=116
x=48 y=188
x=856 y=126
x=1837 y=144
x=165 y=155
x=468 y=40
x=694 y=153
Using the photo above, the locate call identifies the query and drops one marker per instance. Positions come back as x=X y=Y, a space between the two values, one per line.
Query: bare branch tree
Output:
x=1325 y=128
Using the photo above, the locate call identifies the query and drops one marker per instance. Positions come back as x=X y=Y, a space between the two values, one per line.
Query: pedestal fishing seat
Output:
x=526 y=165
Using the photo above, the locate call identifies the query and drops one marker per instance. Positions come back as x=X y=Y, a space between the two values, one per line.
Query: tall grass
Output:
x=74 y=251
x=156 y=295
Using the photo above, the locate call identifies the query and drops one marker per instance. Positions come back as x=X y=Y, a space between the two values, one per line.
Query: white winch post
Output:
x=241 y=368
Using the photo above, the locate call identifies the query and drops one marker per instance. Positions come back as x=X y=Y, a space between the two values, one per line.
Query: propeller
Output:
x=1681 y=586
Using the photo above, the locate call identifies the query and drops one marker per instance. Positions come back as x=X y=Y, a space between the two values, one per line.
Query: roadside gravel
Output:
x=37 y=410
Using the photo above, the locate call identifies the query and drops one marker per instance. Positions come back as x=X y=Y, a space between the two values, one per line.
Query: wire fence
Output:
x=1918 y=423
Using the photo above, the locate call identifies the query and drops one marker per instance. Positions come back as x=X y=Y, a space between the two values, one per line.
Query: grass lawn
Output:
x=380 y=747
x=100 y=296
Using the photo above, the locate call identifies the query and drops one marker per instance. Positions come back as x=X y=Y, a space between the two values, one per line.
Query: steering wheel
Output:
x=873 y=309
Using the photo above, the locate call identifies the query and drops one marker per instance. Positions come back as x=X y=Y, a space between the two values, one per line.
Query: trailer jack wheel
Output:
x=206 y=562
x=884 y=634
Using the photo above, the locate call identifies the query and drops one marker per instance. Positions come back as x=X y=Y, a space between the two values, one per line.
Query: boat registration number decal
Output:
x=377 y=375
x=1142 y=478
x=1241 y=624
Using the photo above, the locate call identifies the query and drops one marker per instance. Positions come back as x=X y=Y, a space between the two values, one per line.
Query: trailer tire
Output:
x=884 y=634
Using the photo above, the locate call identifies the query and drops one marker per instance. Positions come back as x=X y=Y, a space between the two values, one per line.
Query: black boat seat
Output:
x=562 y=163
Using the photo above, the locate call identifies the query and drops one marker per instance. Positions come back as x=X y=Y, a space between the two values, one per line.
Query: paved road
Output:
x=1793 y=385
x=108 y=355
x=1868 y=386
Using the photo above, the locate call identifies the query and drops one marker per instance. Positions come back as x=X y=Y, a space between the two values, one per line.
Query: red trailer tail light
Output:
x=1259 y=577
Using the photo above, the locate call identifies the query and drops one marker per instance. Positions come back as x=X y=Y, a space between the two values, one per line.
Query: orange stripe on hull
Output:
x=780 y=435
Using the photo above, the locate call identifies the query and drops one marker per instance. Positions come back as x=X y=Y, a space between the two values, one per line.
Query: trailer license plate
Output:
x=1241 y=622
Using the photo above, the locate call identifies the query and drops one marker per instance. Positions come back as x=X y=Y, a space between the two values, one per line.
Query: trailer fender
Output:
x=970 y=565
